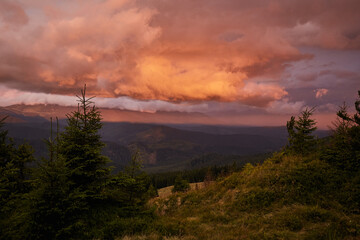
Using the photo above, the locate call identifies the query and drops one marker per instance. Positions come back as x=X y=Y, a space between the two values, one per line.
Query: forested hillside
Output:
x=172 y=147
x=163 y=148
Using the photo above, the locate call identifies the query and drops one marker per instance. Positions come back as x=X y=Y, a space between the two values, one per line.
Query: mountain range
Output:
x=164 y=145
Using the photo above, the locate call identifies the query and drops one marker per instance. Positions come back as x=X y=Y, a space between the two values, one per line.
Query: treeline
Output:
x=339 y=154
x=160 y=180
x=308 y=190
x=341 y=149
x=208 y=166
x=212 y=159
x=72 y=194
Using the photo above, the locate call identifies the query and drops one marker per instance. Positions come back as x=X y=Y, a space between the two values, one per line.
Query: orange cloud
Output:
x=321 y=92
x=189 y=51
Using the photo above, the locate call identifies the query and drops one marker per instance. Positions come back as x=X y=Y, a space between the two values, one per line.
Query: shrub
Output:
x=180 y=185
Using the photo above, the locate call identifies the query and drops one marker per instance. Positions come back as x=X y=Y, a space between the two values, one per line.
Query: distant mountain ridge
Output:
x=164 y=147
x=111 y=114
x=18 y=116
x=161 y=146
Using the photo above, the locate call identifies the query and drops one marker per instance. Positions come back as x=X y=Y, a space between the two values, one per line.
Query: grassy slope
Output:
x=167 y=191
x=284 y=198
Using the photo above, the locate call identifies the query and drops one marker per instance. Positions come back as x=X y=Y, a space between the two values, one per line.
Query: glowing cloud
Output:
x=191 y=51
x=321 y=92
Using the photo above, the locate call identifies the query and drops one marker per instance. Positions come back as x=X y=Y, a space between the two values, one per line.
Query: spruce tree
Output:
x=130 y=187
x=180 y=185
x=68 y=200
x=81 y=147
x=125 y=198
x=87 y=173
x=355 y=119
x=14 y=183
x=301 y=140
x=49 y=200
x=344 y=148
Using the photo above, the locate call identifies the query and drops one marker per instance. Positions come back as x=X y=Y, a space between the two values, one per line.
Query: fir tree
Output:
x=152 y=192
x=71 y=195
x=180 y=185
x=130 y=187
x=49 y=200
x=14 y=183
x=351 y=136
x=81 y=147
x=344 y=148
x=301 y=140
x=87 y=173
x=355 y=119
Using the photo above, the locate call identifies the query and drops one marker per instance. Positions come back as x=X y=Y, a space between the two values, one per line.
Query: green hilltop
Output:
x=309 y=190
x=287 y=197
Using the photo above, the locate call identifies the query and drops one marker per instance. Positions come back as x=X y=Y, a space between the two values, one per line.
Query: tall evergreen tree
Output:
x=81 y=147
x=87 y=173
x=130 y=187
x=355 y=119
x=351 y=137
x=14 y=182
x=68 y=200
x=344 y=149
x=301 y=140
x=49 y=200
x=71 y=194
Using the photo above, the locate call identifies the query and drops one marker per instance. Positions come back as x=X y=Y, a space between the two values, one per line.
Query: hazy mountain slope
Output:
x=164 y=148
x=16 y=116
x=114 y=115
x=279 y=131
x=170 y=148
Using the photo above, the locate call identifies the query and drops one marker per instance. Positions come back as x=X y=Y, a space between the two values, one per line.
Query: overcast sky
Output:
x=221 y=57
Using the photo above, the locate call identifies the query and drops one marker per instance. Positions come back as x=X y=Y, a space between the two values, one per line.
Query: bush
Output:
x=180 y=185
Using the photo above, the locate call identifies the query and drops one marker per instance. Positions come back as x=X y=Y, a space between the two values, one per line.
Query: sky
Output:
x=237 y=59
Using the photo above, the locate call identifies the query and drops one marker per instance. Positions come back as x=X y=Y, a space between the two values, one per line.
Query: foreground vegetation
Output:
x=309 y=190
x=72 y=193
x=287 y=197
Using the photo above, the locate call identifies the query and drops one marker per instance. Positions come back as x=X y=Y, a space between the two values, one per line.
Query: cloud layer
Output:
x=182 y=51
